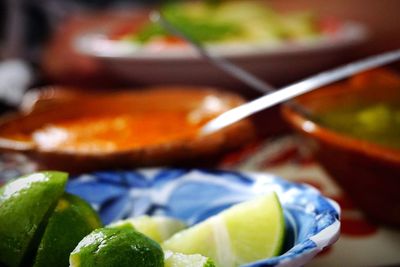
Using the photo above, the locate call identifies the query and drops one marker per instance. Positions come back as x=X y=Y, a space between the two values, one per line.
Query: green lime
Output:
x=174 y=259
x=25 y=205
x=244 y=233
x=158 y=228
x=120 y=246
x=70 y=222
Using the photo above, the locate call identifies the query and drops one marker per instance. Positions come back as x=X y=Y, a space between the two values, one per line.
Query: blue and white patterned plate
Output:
x=193 y=195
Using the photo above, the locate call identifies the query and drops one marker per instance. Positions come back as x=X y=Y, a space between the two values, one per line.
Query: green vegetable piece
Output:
x=25 y=204
x=198 y=26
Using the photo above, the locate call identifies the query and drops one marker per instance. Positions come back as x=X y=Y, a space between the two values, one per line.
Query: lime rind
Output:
x=25 y=205
x=120 y=246
x=73 y=216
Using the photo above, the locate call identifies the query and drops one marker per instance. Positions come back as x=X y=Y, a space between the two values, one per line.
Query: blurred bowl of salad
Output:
x=274 y=45
x=353 y=130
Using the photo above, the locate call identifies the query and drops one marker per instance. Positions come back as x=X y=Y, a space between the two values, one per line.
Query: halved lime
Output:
x=120 y=246
x=244 y=233
x=174 y=259
x=25 y=205
x=70 y=222
x=158 y=228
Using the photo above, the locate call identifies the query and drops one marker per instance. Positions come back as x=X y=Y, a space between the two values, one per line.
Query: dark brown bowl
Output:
x=53 y=105
x=367 y=172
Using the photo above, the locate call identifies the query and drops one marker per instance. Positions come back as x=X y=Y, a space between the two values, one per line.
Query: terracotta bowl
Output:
x=367 y=172
x=50 y=106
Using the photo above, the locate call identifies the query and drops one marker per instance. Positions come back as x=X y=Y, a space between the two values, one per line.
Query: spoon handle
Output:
x=324 y=78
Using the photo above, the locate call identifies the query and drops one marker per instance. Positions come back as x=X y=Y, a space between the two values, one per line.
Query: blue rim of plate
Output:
x=312 y=220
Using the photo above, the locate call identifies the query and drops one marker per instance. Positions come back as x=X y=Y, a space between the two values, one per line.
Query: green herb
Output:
x=200 y=29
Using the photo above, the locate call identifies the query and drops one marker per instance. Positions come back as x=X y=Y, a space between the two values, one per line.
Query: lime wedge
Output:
x=70 y=222
x=246 y=232
x=173 y=259
x=158 y=228
x=25 y=205
x=120 y=246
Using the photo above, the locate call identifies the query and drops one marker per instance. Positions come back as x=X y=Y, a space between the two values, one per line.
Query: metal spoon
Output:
x=288 y=92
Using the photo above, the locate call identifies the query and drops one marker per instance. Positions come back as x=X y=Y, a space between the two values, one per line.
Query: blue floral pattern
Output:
x=194 y=194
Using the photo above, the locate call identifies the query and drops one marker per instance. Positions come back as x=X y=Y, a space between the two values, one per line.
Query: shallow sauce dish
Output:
x=369 y=172
x=312 y=221
x=149 y=127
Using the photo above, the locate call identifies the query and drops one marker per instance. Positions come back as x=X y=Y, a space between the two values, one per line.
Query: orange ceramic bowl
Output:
x=86 y=131
x=367 y=172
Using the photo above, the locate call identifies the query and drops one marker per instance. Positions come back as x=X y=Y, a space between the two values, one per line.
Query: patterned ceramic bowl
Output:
x=193 y=195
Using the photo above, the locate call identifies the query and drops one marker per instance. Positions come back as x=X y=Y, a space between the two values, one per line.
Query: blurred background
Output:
x=42 y=32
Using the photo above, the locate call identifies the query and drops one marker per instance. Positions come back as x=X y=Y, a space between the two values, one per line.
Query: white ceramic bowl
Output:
x=276 y=63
